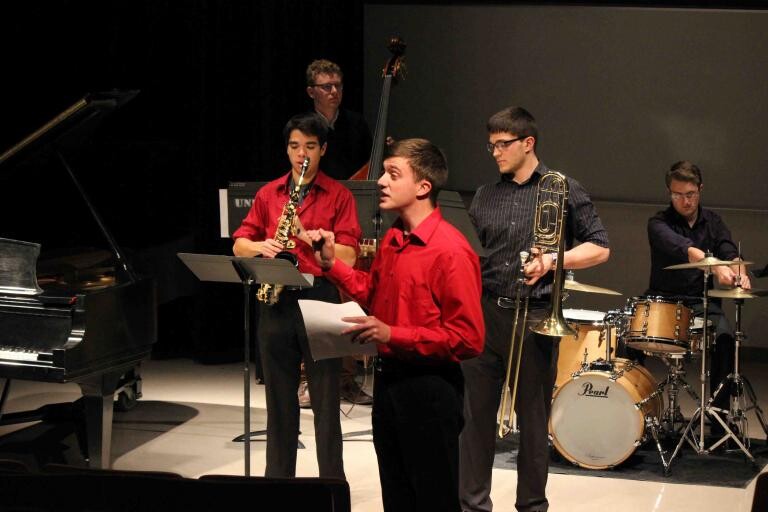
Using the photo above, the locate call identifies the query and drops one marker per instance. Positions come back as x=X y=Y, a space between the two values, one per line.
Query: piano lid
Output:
x=18 y=262
x=70 y=125
x=46 y=149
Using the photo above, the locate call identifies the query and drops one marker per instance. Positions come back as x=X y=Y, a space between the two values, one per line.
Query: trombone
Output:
x=548 y=236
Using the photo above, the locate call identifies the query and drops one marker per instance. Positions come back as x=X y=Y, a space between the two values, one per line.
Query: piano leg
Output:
x=98 y=401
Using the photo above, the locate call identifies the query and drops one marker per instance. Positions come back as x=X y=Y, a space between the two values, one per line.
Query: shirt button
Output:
x=512 y=223
x=506 y=263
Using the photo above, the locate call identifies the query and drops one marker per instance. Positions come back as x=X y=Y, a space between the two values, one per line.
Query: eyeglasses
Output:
x=329 y=87
x=677 y=196
x=501 y=145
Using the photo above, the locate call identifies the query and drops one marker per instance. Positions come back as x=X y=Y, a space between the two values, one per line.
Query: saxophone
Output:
x=270 y=293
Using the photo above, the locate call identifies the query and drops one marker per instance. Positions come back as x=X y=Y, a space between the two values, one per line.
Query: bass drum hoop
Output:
x=652 y=407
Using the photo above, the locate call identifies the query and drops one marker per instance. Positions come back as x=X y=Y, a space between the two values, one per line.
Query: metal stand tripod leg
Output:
x=674 y=380
x=654 y=427
x=750 y=392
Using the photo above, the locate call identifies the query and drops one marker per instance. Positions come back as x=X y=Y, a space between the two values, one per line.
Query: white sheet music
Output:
x=322 y=321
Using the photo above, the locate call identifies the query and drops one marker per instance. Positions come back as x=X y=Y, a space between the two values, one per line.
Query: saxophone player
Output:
x=503 y=215
x=320 y=201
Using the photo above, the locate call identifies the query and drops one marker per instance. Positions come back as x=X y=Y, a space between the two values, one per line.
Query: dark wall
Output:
x=218 y=81
x=620 y=93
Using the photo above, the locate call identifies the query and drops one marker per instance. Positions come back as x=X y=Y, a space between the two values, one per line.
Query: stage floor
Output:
x=190 y=413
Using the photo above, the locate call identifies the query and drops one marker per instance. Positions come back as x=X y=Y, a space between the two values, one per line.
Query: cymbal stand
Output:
x=705 y=408
x=739 y=383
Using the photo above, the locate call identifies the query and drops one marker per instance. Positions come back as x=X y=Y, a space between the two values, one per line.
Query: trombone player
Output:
x=503 y=214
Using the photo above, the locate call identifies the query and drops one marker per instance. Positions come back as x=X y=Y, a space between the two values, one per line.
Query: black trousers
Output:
x=484 y=379
x=283 y=344
x=417 y=418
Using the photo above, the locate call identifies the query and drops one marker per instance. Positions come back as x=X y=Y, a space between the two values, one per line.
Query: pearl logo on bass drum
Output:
x=589 y=390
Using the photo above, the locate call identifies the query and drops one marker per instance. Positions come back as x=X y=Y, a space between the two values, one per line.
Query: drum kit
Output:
x=596 y=390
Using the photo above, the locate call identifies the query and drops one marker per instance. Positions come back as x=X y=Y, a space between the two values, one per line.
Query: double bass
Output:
x=393 y=70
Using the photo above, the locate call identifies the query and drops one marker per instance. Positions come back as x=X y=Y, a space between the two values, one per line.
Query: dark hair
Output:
x=514 y=120
x=322 y=66
x=684 y=171
x=427 y=161
x=309 y=123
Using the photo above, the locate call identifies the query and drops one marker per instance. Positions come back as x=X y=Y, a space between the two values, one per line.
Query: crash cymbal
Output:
x=709 y=261
x=737 y=293
x=572 y=285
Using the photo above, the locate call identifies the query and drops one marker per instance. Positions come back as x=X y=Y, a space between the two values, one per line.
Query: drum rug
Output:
x=722 y=468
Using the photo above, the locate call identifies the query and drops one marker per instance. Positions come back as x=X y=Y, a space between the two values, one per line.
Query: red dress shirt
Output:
x=426 y=287
x=328 y=205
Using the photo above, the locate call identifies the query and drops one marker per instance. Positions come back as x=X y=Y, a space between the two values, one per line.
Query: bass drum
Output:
x=595 y=422
x=589 y=342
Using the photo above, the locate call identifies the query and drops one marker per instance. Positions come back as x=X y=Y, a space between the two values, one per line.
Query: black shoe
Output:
x=352 y=392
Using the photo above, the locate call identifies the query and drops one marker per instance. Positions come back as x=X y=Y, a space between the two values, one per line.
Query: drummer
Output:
x=684 y=233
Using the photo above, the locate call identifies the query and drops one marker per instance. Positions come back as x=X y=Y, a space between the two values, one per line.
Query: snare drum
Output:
x=658 y=326
x=587 y=345
x=598 y=422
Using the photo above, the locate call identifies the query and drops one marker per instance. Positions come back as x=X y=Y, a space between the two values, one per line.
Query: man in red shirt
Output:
x=423 y=295
x=281 y=335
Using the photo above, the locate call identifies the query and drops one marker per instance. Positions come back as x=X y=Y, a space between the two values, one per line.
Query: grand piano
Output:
x=72 y=308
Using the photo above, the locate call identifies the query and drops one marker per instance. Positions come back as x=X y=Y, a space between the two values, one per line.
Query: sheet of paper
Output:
x=322 y=321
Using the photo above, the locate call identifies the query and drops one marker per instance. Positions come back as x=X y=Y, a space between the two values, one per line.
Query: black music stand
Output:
x=247 y=271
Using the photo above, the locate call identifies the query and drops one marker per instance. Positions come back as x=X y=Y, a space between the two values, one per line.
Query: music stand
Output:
x=247 y=271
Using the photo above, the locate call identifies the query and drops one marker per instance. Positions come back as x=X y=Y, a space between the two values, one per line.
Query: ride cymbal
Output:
x=737 y=293
x=709 y=261
x=570 y=284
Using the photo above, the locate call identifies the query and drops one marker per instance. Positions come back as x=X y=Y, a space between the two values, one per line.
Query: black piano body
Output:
x=73 y=328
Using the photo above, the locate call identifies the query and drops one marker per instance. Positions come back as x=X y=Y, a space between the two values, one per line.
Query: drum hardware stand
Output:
x=706 y=409
x=737 y=403
x=653 y=425
x=675 y=380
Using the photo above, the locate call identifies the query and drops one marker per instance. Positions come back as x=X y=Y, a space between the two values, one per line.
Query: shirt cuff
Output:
x=339 y=270
x=400 y=337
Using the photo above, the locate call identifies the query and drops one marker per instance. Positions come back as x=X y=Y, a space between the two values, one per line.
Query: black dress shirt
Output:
x=349 y=145
x=503 y=216
x=670 y=236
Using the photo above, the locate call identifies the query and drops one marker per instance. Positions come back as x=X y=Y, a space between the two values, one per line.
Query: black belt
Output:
x=509 y=302
x=393 y=366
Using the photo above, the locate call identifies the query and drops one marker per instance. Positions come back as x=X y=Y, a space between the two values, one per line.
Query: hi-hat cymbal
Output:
x=570 y=284
x=737 y=293
x=709 y=261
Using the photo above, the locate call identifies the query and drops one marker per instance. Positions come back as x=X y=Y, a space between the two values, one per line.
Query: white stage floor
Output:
x=190 y=413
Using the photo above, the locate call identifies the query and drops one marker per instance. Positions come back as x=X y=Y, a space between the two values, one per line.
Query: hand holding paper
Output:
x=367 y=329
x=325 y=327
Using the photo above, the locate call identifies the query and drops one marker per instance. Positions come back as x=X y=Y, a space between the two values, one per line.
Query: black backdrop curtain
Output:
x=218 y=80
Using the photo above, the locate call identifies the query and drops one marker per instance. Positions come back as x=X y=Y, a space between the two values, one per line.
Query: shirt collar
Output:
x=423 y=232
x=321 y=180
x=332 y=122
x=679 y=219
x=539 y=170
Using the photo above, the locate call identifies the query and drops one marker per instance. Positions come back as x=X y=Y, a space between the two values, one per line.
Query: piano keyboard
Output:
x=18 y=355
